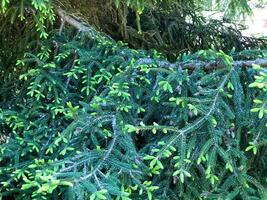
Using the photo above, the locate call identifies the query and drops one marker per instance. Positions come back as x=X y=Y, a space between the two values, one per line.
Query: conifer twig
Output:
x=198 y=122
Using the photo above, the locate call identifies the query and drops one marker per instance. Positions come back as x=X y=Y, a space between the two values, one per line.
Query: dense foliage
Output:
x=42 y=10
x=85 y=117
x=171 y=27
x=95 y=119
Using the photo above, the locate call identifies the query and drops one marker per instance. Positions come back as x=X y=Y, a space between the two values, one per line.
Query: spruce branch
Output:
x=103 y=160
x=200 y=64
x=191 y=127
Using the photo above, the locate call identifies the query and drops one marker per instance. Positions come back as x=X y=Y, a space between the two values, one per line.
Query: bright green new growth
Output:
x=42 y=11
x=90 y=118
x=94 y=119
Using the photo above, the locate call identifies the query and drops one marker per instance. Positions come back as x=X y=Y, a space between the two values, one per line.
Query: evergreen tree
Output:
x=87 y=117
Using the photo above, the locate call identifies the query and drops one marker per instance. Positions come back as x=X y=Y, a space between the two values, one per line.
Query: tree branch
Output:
x=74 y=22
x=82 y=27
x=78 y=24
x=202 y=64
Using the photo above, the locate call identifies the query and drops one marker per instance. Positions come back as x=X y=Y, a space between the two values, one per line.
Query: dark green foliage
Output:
x=170 y=26
x=93 y=119
x=22 y=23
x=9 y=53
x=40 y=10
x=174 y=33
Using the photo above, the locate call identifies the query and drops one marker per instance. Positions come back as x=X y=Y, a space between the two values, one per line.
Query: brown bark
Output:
x=100 y=14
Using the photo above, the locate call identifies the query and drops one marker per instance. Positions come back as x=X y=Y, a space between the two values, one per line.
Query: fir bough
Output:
x=94 y=119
